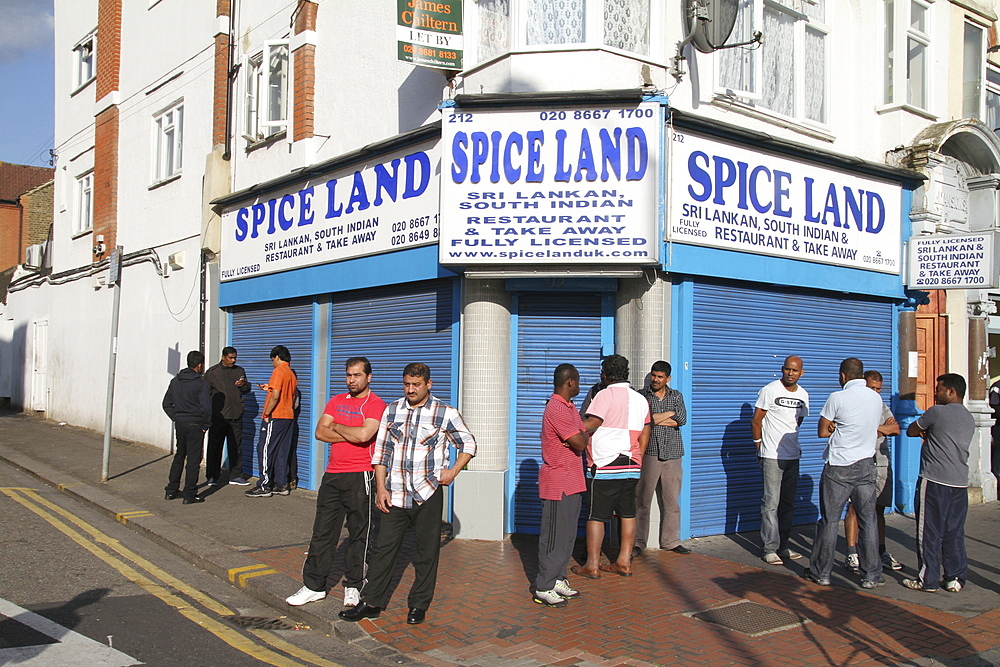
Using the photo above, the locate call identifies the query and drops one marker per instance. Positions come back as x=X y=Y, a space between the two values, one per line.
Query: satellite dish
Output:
x=714 y=22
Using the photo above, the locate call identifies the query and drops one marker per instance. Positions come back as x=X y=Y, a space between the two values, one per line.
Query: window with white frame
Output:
x=991 y=116
x=267 y=92
x=972 y=71
x=83 y=214
x=168 y=142
x=906 y=32
x=788 y=74
x=84 y=61
x=620 y=24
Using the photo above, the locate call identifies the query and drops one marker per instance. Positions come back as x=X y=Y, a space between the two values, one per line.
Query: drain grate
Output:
x=264 y=623
x=750 y=618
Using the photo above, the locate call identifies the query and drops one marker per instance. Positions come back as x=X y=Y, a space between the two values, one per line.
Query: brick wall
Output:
x=10 y=214
x=304 y=74
x=109 y=46
x=106 y=178
x=37 y=207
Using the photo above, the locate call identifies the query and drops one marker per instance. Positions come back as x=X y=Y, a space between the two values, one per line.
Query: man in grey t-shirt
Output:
x=942 y=496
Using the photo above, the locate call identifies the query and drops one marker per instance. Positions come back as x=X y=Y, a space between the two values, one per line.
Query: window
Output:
x=267 y=92
x=83 y=216
x=789 y=74
x=620 y=24
x=972 y=71
x=85 y=58
x=992 y=115
x=906 y=23
x=168 y=140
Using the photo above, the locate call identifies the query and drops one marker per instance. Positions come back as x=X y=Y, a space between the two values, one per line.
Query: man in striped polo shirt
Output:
x=619 y=420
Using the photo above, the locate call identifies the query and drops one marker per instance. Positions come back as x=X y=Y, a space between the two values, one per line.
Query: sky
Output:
x=26 y=81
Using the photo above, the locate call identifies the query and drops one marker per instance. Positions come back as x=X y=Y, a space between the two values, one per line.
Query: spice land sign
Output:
x=559 y=186
x=725 y=196
x=374 y=208
x=429 y=33
x=953 y=262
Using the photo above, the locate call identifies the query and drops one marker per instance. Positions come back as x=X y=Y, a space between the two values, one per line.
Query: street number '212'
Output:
x=460 y=118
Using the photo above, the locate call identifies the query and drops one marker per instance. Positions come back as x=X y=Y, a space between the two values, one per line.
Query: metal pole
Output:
x=114 y=277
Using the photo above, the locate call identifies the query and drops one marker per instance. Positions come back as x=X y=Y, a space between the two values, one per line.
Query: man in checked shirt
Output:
x=411 y=466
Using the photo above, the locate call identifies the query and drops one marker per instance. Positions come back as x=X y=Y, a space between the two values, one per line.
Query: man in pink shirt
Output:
x=349 y=423
x=560 y=486
x=619 y=420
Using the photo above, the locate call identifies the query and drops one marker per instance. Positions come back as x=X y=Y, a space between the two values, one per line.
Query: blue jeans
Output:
x=777 y=505
x=837 y=484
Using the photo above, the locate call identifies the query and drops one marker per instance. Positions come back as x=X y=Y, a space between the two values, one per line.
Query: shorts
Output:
x=609 y=497
x=883 y=486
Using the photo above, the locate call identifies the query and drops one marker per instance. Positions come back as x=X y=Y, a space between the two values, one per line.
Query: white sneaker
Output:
x=890 y=562
x=563 y=589
x=772 y=558
x=352 y=596
x=550 y=598
x=304 y=596
x=953 y=586
x=852 y=563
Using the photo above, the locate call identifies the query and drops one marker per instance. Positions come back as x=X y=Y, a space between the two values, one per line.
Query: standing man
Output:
x=661 y=462
x=188 y=403
x=411 y=466
x=942 y=496
x=850 y=419
x=619 y=419
x=228 y=383
x=883 y=486
x=560 y=487
x=781 y=406
x=349 y=423
x=276 y=421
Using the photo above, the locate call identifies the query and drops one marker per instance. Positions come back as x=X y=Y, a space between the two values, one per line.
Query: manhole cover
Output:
x=263 y=623
x=750 y=618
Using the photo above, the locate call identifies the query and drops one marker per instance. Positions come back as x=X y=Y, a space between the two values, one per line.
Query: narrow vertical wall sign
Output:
x=429 y=33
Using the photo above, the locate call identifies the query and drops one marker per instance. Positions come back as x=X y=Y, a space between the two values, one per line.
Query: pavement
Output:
x=720 y=605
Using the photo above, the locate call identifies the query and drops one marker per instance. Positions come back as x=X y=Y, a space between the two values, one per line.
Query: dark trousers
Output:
x=556 y=538
x=272 y=452
x=341 y=494
x=941 y=512
x=995 y=451
x=837 y=485
x=229 y=432
x=426 y=521
x=189 y=441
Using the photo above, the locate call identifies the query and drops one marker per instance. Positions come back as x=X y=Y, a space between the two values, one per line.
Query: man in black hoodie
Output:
x=228 y=383
x=188 y=402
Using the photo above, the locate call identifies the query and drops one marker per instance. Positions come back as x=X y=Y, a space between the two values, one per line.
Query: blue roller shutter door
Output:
x=254 y=332
x=741 y=336
x=394 y=327
x=552 y=329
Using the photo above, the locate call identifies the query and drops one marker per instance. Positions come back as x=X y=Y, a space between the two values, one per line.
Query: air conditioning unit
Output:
x=34 y=256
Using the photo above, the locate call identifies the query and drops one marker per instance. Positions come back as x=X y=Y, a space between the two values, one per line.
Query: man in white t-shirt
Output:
x=781 y=406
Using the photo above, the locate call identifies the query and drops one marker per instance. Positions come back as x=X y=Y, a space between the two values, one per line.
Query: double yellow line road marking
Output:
x=155 y=580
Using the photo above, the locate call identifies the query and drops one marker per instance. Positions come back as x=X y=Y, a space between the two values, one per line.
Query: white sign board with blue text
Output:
x=386 y=204
x=726 y=196
x=551 y=186
x=953 y=261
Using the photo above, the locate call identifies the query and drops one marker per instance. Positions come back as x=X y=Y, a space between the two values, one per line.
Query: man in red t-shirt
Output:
x=349 y=423
x=560 y=486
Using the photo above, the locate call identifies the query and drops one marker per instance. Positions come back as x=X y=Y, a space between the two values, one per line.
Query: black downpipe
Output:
x=231 y=71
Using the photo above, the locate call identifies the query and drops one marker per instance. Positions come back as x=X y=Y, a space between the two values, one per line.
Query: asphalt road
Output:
x=78 y=588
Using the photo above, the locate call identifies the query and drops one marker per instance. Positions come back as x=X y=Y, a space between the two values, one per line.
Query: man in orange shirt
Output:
x=275 y=438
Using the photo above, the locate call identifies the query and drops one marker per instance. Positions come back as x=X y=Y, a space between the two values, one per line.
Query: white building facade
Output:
x=277 y=175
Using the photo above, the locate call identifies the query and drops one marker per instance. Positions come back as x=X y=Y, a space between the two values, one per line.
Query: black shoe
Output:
x=194 y=499
x=415 y=616
x=680 y=549
x=636 y=552
x=171 y=495
x=819 y=581
x=362 y=610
